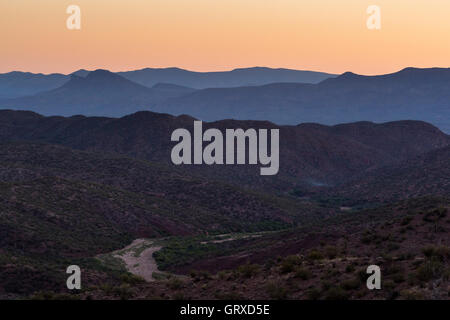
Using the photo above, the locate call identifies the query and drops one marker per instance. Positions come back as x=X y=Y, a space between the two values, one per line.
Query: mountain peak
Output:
x=81 y=73
x=349 y=75
x=102 y=74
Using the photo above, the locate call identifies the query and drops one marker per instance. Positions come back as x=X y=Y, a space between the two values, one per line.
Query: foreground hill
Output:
x=74 y=190
x=408 y=240
x=60 y=206
x=310 y=154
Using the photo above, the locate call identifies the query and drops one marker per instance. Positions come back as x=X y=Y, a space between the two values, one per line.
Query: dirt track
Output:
x=138 y=258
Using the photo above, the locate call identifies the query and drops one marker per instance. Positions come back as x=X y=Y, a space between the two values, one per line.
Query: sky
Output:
x=213 y=35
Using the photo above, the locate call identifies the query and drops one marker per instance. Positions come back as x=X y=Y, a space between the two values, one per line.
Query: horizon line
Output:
x=222 y=71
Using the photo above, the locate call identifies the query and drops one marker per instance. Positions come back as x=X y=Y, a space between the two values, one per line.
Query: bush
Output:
x=222 y=275
x=175 y=284
x=313 y=294
x=336 y=293
x=124 y=292
x=131 y=279
x=331 y=252
x=303 y=273
x=276 y=291
x=398 y=278
x=315 y=255
x=289 y=263
x=352 y=284
x=350 y=268
x=249 y=270
x=430 y=270
x=412 y=295
x=440 y=252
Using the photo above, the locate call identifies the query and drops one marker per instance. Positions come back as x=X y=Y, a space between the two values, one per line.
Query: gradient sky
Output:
x=208 y=35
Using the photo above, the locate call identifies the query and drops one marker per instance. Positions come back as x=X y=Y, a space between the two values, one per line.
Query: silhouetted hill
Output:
x=411 y=94
x=99 y=93
x=310 y=154
x=16 y=84
x=221 y=79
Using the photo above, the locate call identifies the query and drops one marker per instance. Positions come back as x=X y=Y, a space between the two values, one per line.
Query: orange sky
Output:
x=206 y=35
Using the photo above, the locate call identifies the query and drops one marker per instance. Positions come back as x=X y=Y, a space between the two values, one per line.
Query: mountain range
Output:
x=310 y=154
x=74 y=189
x=98 y=93
x=84 y=171
x=17 y=84
x=410 y=94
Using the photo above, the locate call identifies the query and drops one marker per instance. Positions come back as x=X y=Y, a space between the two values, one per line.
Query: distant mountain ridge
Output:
x=410 y=94
x=99 y=92
x=18 y=84
x=223 y=79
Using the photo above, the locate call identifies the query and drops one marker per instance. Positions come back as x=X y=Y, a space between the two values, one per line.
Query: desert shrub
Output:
x=160 y=276
x=439 y=252
x=406 y=220
x=124 y=292
x=392 y=246
x=315 y=255
x=326 y=285
x=313 y=294
x=47 y=295
x=429 y=270
x=232 y=295
x=289 y=263
x=178 y=296
x=249 y=270
x=362 y=275
x=269 y=264
x=131 y=279
x=412 y=295
x=350 y=268
x=434 y=215
x=366 y=239
x=200 y=275
x=276 y=290
x=222 y=275
x=406 y=256
x=303 y=273
x=351 y=284
x=175 y=284
x=331 y=252
x=336 y=293
x=388 y=284
x=398 y=278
